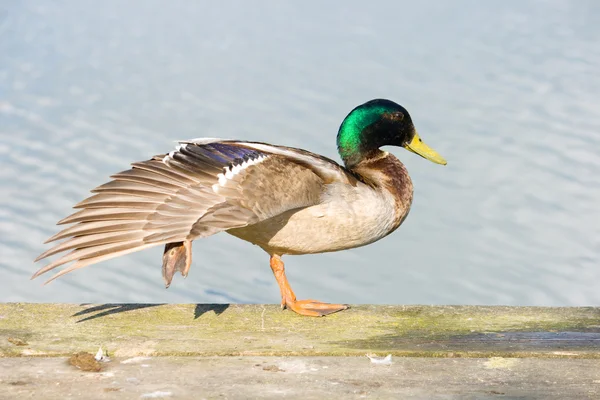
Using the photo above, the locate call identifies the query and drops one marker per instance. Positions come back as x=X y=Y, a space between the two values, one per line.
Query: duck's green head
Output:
x=380 y=123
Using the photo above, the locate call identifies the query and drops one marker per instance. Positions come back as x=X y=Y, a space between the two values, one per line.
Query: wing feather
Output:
x=201 y=188
x=96 y=227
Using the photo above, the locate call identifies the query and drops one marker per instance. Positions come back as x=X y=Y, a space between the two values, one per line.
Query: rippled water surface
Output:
x=508 y=92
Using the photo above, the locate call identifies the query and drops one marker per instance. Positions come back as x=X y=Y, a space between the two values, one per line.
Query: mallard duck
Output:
x=283 y=199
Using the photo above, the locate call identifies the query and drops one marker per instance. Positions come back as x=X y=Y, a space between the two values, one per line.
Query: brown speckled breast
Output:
x=385 y=171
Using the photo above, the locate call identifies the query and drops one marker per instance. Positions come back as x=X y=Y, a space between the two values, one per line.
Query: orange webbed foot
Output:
x=310 y=308
x=314 y=308
x=176 y=257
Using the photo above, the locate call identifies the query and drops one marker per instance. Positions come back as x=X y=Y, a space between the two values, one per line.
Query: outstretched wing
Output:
x=203 y=187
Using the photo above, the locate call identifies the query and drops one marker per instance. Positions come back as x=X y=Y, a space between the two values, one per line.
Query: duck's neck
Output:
x=384 y=171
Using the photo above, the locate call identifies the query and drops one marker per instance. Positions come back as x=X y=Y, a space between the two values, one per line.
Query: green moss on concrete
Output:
x=189 y=329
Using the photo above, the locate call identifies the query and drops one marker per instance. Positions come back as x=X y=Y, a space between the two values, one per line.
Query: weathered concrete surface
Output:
x=147 y=329
x=127 y=330
x=526 y=352
x=303 y=377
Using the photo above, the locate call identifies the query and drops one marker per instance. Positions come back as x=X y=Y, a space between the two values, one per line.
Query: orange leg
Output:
x=311 y=308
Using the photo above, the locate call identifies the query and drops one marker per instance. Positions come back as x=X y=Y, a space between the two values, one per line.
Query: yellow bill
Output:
x=417 y=146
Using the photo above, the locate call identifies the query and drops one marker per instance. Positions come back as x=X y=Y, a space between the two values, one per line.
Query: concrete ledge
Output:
x=302 y=378
x=129 y=330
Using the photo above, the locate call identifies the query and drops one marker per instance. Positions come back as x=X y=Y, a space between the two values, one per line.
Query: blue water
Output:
x=508 y=92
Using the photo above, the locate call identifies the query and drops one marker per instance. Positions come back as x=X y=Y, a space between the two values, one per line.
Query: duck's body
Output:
x=350 y=212
x=285 y=200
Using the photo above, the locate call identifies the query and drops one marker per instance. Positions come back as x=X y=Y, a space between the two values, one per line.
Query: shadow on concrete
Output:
x=102 y=310
x=204 y=308
x=484 y=342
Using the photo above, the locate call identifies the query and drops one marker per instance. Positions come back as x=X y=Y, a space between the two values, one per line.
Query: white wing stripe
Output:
x=172 y=153
x=231 y=172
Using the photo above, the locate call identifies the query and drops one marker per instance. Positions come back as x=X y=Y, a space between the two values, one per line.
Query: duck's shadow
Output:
x=104 y=310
